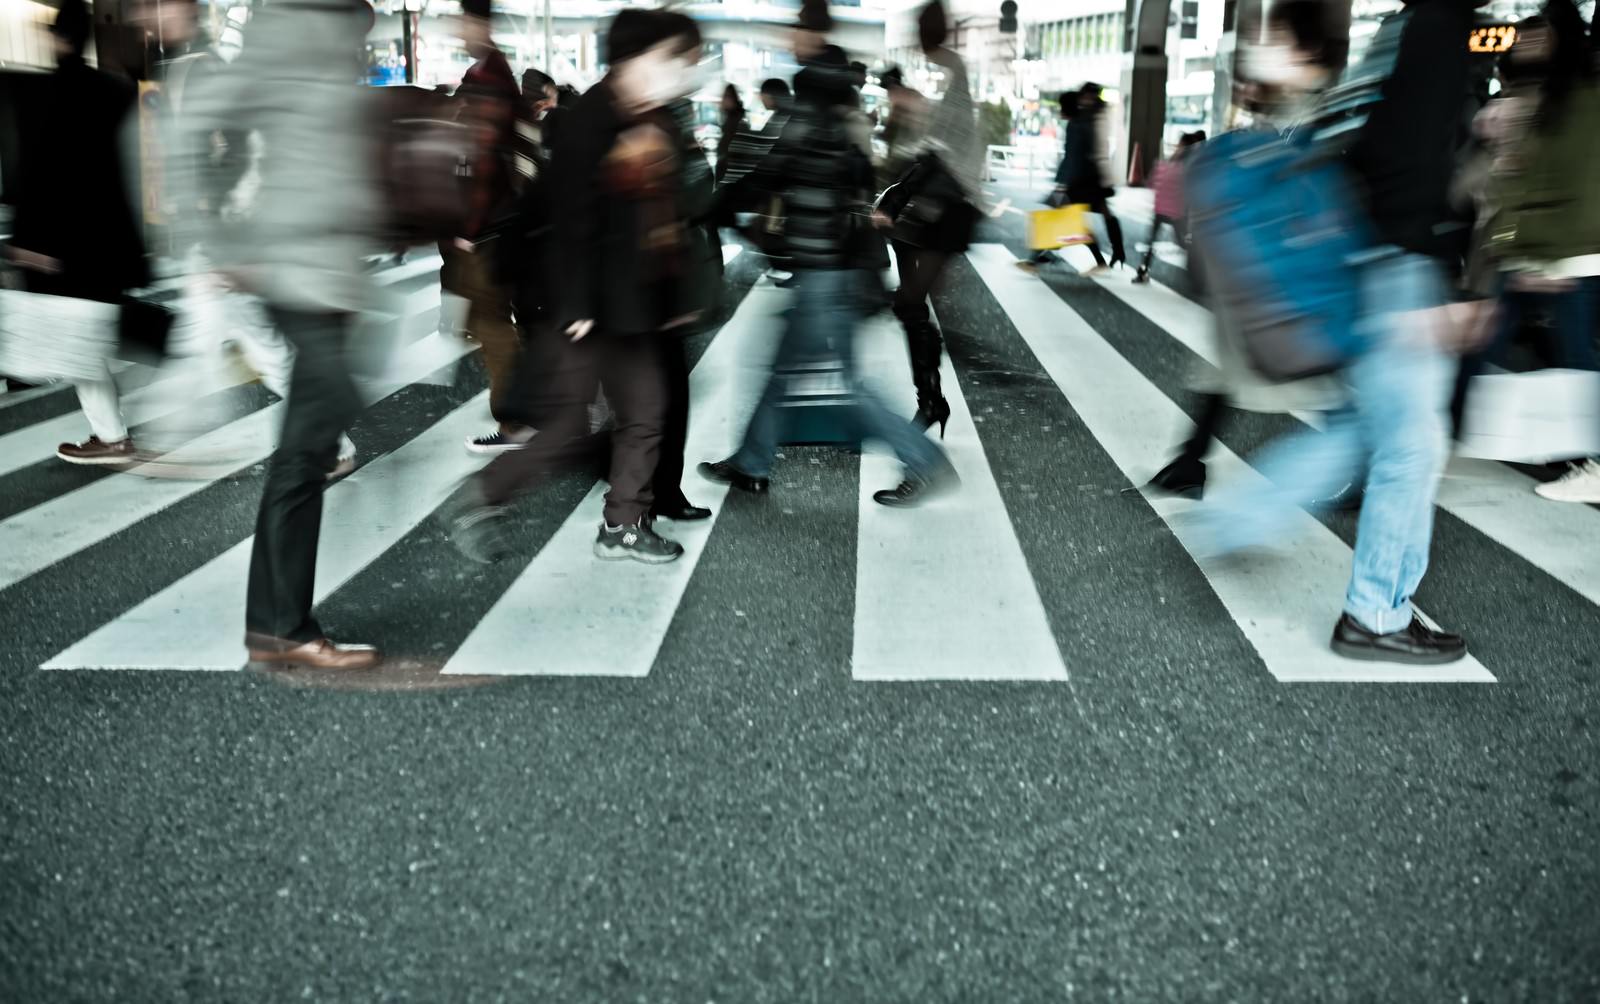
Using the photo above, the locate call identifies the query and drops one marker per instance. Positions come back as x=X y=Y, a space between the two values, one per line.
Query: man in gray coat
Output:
x=300 y=251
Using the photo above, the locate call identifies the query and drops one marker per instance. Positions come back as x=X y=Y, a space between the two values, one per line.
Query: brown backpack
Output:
x=424 y=169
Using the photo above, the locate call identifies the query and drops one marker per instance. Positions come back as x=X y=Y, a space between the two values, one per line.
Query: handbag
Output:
x=1049 y=229
x=1532 y=418
x=143 y=330
x=866 y=248
x=44 y=337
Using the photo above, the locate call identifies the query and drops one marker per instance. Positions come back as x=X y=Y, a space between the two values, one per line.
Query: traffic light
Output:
x=1008 y=17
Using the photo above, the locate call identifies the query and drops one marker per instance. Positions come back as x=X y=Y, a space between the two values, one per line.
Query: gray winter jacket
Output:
x=299 y=244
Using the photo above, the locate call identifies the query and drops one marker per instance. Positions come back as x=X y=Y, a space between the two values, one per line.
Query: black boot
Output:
x=1184 y=477
x=926 y=349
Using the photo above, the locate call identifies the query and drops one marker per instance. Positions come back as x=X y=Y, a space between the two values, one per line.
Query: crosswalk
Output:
x=948 y=592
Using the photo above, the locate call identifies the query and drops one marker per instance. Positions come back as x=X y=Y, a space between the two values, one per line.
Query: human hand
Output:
x=34 y=262
x=578 y=330
x=465 y=246
x=880 y=219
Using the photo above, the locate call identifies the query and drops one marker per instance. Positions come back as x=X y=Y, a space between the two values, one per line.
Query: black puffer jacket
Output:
x=821 y=176
x=1405 y=154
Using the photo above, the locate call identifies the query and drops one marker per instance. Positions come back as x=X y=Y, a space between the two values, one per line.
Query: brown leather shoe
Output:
x=93 y=451
x=319 y=654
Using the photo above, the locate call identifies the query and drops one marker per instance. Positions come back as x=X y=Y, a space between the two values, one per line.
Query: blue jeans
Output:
x=1393 y=428
x=822 y=321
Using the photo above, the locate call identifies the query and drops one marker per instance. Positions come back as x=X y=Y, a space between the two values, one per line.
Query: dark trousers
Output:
x=1155 y=231
x=633 y=370
x=1113 y=230
x=1213 y=407
x=668 y=482
x=322 y=403
x=919 y=270
x=489 y=321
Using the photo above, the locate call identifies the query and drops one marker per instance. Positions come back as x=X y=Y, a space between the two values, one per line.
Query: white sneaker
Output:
x=1580 y=484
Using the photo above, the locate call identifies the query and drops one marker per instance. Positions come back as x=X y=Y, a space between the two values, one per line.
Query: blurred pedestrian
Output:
x=1277 y=87
x=825 y=180
x=1544 y=236
x=1394 y=427
x=489 y=98
x=904 y=132
x=623 y=275
x=1084 y=177
x=76 y=231
x=1167 y=182
x=933 y=211
x=300 y=252
x=733 y=122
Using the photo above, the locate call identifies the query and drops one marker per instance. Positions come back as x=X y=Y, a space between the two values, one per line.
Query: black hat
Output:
x=933 y=26
x=814 y=16
x=634 y=31
x=73 y=24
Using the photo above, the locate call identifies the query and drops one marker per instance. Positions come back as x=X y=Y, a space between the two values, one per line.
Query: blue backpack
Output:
x=1281 y=234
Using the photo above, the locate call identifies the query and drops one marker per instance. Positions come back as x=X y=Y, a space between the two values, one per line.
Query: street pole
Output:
x=549 y=39
x=408 y=44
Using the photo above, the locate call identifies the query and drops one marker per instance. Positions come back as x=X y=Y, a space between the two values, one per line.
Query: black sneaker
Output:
x=914 y=491
x=1184 y=477
x=638 y=542
x=1417 y=644
x=496 y=442
x=724 y=473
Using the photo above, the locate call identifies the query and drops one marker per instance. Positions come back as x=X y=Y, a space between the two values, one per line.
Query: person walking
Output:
x=300 y=252
x=621 y=294
x=1084 y=177
x=734 y=122
x=1167 y=181
x=1393 y=429
x=825 y=179
x=76 y=232
x=489 y=99
x=933 y=212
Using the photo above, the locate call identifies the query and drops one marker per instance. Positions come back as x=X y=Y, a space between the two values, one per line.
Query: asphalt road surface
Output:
x=1021 y=745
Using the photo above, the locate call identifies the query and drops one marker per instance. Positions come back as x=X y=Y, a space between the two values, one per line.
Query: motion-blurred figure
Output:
x=1543 y=231
x=1277 y=88
x=1167 y=181
x=76 y=231
x=300 y=251
x=488 y=98
x=825 y=180
x=1394 y=428
x=1084 y=176
x=628 y=252
x=933 y=210
x=906 y=130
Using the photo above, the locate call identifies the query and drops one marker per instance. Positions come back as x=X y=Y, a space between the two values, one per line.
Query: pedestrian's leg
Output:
x=667 y=485
x=489 y=321
x=635 y=382
x=802 y=336
x=1401 y=391
x=322 y=401
x=102 y=407
x=1114 y=231
x=565 y=391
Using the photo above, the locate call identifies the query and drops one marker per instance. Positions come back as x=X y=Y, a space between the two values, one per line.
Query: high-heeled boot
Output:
x=926 y=349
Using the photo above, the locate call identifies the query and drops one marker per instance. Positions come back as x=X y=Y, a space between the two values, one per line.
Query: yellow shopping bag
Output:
x=1049 y=229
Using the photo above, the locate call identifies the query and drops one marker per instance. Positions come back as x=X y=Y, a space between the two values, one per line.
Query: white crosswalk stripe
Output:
x=941 y=593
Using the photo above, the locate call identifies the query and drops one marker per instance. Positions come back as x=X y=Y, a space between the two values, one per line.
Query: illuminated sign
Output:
x=1491 y=39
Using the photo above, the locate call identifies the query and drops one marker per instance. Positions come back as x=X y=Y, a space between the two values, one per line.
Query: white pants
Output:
x=102 y=407
x=211 y=318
